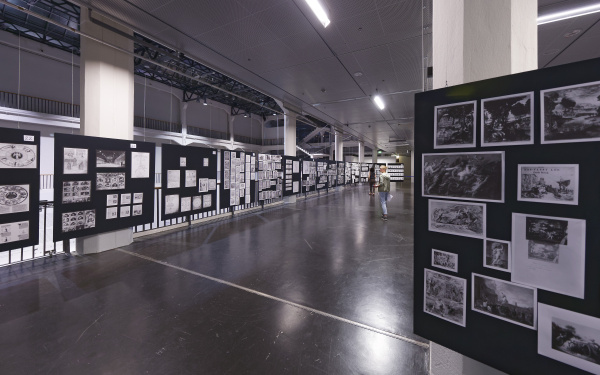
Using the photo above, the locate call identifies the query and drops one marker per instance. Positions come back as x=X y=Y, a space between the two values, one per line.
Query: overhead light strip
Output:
x=319 y=11
x=560 y=16
x=379 y=102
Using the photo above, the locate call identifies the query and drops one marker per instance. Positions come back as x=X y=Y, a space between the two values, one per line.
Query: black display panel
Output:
x=322 y=174
x=348 y=173
x=101 y=185
x=189 y=180
x=396 y=172
x=364 y=172
x=509 y=166
x=309 y=175
x=332 y=173
x=238 y=176
x=355 y=172
x=270 y=177
x=292 y=175
x=341 y=173
x=19 y=188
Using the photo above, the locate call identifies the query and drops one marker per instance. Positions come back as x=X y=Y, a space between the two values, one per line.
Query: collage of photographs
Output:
x=544 y=252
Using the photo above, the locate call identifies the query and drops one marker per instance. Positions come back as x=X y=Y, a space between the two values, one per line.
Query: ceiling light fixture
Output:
x=377 y=99
x=577 y=12
x=205 y=103
x=319 y=11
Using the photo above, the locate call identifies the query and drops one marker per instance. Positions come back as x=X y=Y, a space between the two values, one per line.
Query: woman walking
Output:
x=372 y=180
x=383 y=186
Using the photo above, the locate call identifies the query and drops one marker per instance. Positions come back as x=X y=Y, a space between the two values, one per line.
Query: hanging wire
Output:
x=144 y=119
x=19 y=83
x=73 y=91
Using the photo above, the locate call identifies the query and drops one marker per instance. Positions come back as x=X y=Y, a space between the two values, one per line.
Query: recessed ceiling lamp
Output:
x=379 y=102
x=318 y=10
x=358 y=74
x=205 y=103
x=577 y=12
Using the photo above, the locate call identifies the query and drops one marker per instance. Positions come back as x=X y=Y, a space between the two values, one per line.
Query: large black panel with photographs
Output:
x=309 y=175
x=238 y=182
x=101 y=185
x=541 y=176
x=292 y=176
x=19 y=188
x=189 y=182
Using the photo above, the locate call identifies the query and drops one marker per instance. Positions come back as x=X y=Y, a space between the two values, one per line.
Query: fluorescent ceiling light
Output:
x=377 y=99
x=318 y=10
x=577 y=12
x=205 y=103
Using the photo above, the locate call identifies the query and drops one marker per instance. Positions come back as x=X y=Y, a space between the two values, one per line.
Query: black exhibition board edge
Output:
x=99 y=197
x=194 y=160
x=393 y=178
x=21 y=176
x=293 y=177
x=225 y=193
x=500 y=344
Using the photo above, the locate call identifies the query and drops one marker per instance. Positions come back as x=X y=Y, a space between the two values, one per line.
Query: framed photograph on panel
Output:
x=474 y=176
x=454 y=125
x=569 y=337
x=445 y=297
x=507 y=120
x=571 y=113
x=548 y=183
x=458 y=218
x=496 y=254
x=444 y=260
x=504 y=300
x=549 y=253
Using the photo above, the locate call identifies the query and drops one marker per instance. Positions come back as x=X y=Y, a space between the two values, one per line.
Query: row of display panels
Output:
x=516 y=222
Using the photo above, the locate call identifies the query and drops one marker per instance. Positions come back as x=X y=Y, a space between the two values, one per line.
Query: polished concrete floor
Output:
x=320 y=286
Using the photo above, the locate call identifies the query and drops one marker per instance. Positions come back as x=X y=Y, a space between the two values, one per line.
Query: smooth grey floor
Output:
x=117 y=313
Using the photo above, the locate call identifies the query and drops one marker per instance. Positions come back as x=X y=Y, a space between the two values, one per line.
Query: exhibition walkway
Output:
x=320 y=286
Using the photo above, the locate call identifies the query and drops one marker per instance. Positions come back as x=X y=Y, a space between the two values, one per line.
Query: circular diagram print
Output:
x=12 y=195
x=17 y=156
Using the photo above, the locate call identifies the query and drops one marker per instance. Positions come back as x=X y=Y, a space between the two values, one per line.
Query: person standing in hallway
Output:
x=383 y=186
x=372 y=180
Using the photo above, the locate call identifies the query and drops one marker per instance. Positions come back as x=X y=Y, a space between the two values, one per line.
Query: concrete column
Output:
x=183 y=116
x=339 y=146
x=475 y=40
x=361 y=152
x=289 y=142
x=375 y=154
x=231 y=139
x=107 y=85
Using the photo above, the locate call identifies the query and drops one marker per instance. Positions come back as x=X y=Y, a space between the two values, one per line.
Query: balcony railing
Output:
x=33 y=104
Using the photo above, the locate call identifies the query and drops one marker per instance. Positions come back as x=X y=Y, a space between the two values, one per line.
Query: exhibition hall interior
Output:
x=299 y=186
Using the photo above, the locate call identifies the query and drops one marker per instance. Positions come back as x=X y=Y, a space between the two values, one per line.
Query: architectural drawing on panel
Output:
x=173 y=179
x=137 y=210
x=190 y=178
x=75 y=160
x=171 y=204
x=140 y=165
x=112 y=213
x=186 y=204
x=76 y=191
x=78 y=220
x=12 y=232
x=110 y=159
x=14 y=198
x=18 y=156
x=110 y=181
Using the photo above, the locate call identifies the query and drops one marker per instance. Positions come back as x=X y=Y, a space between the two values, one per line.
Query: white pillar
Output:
x=361 y=152
x=107 y=85
x=289 y=142
x=231 y=138
x=375 y=155
x=339 y=146
x=183 y=116
x=475 y=40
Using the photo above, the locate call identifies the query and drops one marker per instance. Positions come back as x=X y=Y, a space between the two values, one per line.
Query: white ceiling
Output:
x=281 y=49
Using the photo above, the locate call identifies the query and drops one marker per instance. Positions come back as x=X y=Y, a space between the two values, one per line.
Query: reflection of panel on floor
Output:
x=21 y=299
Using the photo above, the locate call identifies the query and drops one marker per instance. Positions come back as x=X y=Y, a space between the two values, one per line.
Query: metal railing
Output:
x=153 y=124
x=208 y=133
x=34 y=104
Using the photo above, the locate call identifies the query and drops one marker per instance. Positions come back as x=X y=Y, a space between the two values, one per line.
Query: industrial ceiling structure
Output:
x=278 y=49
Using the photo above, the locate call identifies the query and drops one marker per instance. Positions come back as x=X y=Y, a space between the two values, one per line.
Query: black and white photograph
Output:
x=137 y=210
x=173 y=179
x=125 y=211
x=112 y=200
x=110 y=159
x=186 y=204
x=212 y=184
x=14 y=198
x=182 y=162
x=205 y=162
x=444 y=260
x=75 y=160
x=110 y=181
x=445 y=297
x=507 y=120
x=569 y=337
x=497 y=254
x=126 y=198
x=196 y=202
x=77 y=191
x=207 y=200
x=457 y=218
x=190 y=178
x=571 y=113
x=548 y=183
x=11 y=232
x=504 y=300
x=112 y=213
x=202 y=185
x=549 y=253
x=140 y=165
x=78 y=220
x=455 y=125
x=18 y=156
x=138 y=198
x=476 y=176
x=171 y=204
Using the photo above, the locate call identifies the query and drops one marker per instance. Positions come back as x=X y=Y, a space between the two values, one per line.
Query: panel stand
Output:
x=104 y=241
